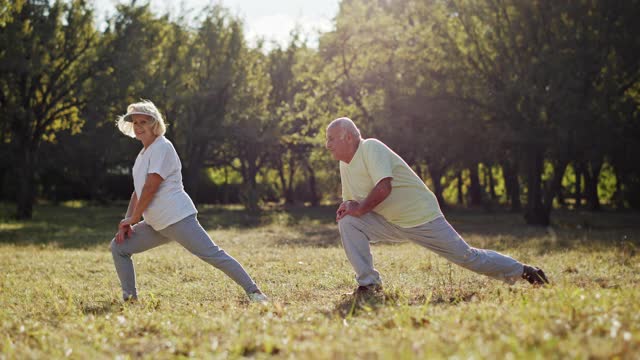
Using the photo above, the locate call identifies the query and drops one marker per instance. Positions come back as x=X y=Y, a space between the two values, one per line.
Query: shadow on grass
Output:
x=90 y=226
x=235 y=216
x=100 y=307
x=67 y=227
x=350 y=305
x=318 y=236
x=501 y=222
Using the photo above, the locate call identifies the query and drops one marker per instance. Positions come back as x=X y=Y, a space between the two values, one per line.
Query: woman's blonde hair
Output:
x=145 y=107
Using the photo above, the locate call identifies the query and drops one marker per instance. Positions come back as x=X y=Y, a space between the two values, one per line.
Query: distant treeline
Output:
x=525 y=105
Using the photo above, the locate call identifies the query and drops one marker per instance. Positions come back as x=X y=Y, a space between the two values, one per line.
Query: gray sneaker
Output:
x=258 y=297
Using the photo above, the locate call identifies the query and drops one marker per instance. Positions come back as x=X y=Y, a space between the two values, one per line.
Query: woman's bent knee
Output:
x=115 y=247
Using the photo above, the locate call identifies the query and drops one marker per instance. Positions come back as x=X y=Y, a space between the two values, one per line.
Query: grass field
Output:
x=59 y=294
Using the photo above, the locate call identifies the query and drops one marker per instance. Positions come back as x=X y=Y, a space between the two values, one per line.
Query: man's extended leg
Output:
x=440 y=237
x=356 y=234
x=141 y=239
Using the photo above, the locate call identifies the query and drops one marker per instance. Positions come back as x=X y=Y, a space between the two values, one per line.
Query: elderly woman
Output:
x=169 y=213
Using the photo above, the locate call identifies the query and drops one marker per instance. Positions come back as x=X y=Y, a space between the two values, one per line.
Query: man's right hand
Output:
x=349 y=207
x=339 y=212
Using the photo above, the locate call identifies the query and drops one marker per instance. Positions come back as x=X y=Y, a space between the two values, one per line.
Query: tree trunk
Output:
x=251 y=187
x=192 y=172
x=225 y=192
x=475 y=190
x=553 y=187
x=26 y=185
x=292 y=171
x=516 y=204
x=191 y=181
x=3 y=181
x=540 y=201
x=578 y=185
x=436 y=175
x=419 y=171
x=285 y=193
x=492 y=189
x=287 y=186
x=512 y=185
x=460 y=195
x=561 y=199
x=97 y=186
x=535 y=213
x=311 y=176
x=592 y=174
x=620 y=180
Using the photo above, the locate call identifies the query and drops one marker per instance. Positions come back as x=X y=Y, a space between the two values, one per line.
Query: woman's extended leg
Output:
x=190 y=234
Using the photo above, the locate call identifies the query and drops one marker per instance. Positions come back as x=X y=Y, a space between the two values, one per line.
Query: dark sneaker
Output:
x=534 y=275
x=129 y=297
x=366 y=290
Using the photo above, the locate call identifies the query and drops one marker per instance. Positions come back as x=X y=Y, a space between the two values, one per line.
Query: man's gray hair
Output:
x=347 y=125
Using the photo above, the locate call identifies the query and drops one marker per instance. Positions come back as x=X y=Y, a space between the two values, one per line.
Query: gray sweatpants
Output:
x=187 y=232
x=437 y=236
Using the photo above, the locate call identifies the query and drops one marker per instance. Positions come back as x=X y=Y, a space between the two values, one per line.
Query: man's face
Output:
x=339 y=143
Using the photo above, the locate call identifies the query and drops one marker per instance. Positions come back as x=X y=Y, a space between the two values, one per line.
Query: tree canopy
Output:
x=527 y=105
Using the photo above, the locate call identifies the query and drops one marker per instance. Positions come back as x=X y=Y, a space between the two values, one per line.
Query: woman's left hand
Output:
x=123 y=234
x=128 y=222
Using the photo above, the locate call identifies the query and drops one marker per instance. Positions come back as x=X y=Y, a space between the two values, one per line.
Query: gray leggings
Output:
x=187 y=232
x=437 y=236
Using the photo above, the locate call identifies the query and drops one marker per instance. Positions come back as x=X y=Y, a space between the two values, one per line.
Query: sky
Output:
x=271 y=20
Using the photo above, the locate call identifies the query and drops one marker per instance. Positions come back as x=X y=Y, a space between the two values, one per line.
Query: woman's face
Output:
x=143 y=127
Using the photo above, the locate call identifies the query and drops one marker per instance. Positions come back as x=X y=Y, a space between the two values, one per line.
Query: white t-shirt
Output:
x=171 y=203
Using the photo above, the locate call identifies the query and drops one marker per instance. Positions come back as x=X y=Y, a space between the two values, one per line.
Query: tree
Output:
x=47 y=59
x=211 y=69
x=131 y=64
x=545 y=66
x=252 y=131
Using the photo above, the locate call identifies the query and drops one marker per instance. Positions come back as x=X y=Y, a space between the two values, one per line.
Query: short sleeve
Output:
x=163 y=161
x=378 y=159
x=346 y=194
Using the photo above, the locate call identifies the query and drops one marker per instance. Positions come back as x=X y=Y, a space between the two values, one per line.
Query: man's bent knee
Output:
x=347 y=220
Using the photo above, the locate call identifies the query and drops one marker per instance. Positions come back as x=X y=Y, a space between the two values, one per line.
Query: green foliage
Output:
x=224 y=175
x=521 y=91
x=47 y=58
x=607 y=184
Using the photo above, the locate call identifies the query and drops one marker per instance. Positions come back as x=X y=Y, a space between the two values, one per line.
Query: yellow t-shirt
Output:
x=410 y=203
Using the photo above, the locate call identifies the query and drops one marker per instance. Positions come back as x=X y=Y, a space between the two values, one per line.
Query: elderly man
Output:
x=384 y=199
